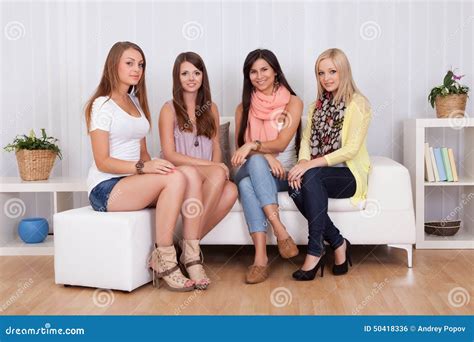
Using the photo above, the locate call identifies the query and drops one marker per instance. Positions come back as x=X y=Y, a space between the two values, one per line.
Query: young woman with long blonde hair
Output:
x=333 y=160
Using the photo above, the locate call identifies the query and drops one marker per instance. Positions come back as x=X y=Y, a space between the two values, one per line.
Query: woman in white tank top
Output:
x=123 y=177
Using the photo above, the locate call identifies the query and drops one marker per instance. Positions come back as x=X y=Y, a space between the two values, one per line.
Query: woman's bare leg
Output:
x=193 y=207
x=211 y=180
x=224 y=205
x=138 y=191
x=272 y=213
x=260 y=243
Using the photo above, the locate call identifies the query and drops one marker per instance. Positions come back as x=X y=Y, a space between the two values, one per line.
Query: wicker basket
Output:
x=442 y=228
x=450 y=106
x=35 y=164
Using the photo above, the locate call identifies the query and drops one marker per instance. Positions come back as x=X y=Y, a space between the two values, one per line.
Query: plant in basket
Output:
x=449 y=98
x=35 y=156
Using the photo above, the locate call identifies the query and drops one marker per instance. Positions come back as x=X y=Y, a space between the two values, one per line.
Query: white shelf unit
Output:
x=62 y=189
x=436 y=201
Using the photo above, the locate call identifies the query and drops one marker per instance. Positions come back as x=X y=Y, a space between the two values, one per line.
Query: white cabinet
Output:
x=436 y=201
x=13 y=209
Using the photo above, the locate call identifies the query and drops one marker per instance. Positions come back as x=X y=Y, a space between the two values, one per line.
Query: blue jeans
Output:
x=318 y=185
x=257 y=189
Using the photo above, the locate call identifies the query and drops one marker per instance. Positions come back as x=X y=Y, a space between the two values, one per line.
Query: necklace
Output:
x=194 y=123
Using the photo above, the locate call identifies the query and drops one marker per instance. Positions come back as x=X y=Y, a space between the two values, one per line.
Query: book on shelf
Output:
x=453 y=165
x=439 y=164
x=447 y=164
x=433 y=163
x=429 y=174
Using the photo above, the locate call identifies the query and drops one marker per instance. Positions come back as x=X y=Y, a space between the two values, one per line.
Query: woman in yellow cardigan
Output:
x=333 y=160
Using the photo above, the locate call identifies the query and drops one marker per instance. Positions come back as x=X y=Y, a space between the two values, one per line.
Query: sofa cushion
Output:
x=225 y=144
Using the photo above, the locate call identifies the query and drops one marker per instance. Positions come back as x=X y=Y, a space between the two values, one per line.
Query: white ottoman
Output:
x=103 y=250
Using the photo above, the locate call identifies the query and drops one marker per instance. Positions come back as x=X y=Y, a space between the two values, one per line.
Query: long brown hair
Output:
x=110 y=80
x=272 y=60
x=204 y=120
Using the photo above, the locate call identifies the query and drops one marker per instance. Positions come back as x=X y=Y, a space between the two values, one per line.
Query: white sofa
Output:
x=109 y=250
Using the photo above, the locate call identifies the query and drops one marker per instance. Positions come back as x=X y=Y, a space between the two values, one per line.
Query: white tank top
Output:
x=288 y=157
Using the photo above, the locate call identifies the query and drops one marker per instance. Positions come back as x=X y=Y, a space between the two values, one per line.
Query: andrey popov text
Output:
x=414 y=328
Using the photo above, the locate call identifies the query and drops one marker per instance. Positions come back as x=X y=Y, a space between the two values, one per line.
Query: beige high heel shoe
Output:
x=192 y=260
x=163 y=263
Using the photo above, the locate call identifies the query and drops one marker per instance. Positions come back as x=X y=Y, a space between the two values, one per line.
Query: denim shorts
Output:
x=99 y=196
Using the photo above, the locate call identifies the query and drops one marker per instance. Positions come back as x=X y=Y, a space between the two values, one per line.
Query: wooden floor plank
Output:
x=379 y=284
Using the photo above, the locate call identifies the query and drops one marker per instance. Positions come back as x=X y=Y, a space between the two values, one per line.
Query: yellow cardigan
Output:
x=353 y=150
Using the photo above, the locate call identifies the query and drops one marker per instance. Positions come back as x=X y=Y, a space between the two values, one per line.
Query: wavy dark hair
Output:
x=272 y=60
x=204 y=119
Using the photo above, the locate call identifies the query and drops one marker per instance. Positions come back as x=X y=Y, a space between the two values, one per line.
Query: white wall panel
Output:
x=52 y=55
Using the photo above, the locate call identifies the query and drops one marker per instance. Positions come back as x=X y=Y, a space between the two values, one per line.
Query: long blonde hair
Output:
x=347 y=86
x=110 y=80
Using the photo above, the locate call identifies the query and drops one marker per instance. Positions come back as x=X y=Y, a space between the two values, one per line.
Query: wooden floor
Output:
x=441 y=282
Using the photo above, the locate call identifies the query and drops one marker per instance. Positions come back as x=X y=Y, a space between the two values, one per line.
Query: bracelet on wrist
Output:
x=139 y=167
x=258 y=145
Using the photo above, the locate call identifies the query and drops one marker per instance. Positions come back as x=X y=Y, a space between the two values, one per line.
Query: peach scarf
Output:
x=262 y=123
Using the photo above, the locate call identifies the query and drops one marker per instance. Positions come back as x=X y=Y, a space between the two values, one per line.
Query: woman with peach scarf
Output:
x=266 y=123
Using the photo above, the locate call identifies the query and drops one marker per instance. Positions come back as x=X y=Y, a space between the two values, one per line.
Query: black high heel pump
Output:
x=344 y=267
x=311 y=274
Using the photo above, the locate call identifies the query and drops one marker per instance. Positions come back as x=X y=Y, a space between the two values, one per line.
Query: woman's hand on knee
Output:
x=241 y=154
x=276 y=166
x=298 y=170
x=226 y=169
x=160 y=166
x=295 y=184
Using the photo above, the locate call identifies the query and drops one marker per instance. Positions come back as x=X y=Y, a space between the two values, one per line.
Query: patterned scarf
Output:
x=326 y=126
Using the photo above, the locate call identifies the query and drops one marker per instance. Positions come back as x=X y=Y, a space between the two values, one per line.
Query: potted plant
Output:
x=35 y=156
x=450 y=97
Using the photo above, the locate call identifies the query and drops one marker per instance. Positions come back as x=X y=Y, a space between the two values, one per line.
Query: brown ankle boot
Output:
x=192 y=260
x=164 y=265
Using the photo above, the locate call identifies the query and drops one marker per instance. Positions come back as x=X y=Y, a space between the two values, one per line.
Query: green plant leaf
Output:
x=25 y=142
x=448 y=79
